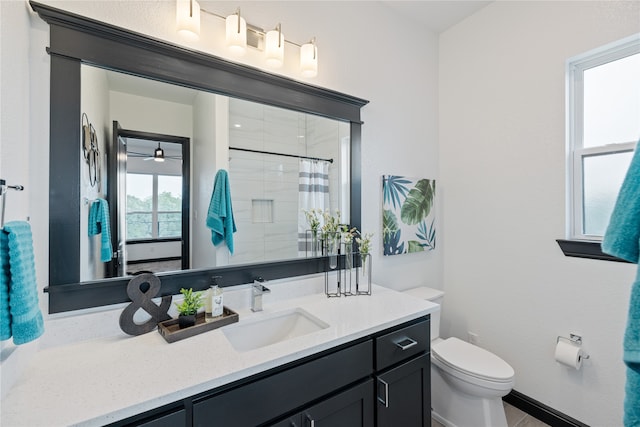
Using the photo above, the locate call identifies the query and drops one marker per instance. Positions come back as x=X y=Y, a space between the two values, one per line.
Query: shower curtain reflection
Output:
x=313 y=194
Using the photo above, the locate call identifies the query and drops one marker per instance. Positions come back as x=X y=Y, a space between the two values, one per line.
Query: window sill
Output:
x=585 y=249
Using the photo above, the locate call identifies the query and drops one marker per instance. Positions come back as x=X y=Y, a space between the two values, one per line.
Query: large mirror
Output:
x=266 y=150
x=317 y=124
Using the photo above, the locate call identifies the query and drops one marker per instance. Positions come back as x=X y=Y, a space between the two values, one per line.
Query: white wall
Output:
x=22 y=161
x=203 y=168
x=502 y=163
x=138 y=113
x=94 y=103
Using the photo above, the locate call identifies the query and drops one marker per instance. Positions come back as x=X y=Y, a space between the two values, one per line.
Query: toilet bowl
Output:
x=467 y=382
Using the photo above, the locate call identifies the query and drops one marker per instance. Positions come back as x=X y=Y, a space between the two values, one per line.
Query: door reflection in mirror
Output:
x=153 y=229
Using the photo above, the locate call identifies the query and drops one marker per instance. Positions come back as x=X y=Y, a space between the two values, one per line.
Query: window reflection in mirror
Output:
x=264 y=187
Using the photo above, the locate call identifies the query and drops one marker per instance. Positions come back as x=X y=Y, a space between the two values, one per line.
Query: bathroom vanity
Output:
x=340 y=386
x=369 y=366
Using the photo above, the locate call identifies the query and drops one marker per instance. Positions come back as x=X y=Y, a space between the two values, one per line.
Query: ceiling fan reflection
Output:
x=158 y=155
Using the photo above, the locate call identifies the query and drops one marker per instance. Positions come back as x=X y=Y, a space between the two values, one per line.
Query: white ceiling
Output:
x=436 y=15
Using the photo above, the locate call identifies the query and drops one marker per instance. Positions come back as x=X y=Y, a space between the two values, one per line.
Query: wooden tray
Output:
x=171 y=332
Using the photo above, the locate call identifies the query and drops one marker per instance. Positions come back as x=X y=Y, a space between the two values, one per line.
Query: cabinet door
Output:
x=404 y=394
x=351 y=408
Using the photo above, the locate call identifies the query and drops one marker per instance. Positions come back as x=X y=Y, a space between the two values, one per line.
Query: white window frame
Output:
x=574 y=111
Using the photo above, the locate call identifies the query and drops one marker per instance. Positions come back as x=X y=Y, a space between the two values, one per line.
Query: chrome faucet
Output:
x=257 y=290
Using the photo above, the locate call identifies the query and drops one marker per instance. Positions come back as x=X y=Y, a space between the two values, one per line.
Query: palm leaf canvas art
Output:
x=408 y=217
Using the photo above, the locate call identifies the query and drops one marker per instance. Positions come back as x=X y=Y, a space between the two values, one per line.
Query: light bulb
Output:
x=309 y=59
x=236 y=34
x=188 y=18
x=274 y=48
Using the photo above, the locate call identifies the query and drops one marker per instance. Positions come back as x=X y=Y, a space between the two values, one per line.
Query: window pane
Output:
x=612 y=102
x=169 y=224
x=169 y=206
x=603 y=176
x=139 y=225
x=139 y=206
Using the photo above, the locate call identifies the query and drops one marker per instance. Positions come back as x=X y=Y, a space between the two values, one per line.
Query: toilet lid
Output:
x=472 y=360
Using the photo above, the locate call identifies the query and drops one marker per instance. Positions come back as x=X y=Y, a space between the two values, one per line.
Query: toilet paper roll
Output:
x=569 y=354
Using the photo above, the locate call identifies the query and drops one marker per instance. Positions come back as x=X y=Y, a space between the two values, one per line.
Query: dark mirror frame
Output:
x=75 y=40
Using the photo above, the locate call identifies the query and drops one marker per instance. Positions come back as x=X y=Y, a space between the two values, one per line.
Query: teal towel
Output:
x=99 y=224
x=220 y=216
x=5 y=278
x=21 y=316
x=622 y=240
x=631 y=405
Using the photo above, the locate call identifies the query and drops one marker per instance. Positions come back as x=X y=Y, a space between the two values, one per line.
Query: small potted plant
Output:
x=188 y=308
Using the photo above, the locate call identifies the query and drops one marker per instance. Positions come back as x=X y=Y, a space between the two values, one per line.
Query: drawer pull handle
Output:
x=384 y=400
x=312 y=422
x=406 y=343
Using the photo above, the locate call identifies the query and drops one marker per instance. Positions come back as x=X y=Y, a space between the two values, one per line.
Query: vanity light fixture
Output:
x=309 y=59
x=274 y=47
x=188 y=18
x=239 y=35
x=236 y=33
x=158 y=154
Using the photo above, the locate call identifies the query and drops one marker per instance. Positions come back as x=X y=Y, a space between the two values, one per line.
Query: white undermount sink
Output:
x=272 y=328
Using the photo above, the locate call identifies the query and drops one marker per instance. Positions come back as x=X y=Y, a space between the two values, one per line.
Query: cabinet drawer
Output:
x=401 y=344
x=268 y=398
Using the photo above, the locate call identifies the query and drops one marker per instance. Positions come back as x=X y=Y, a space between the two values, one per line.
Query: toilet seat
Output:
x=468 y=360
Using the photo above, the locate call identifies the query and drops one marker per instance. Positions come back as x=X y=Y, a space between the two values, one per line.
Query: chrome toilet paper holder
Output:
x=573 y=339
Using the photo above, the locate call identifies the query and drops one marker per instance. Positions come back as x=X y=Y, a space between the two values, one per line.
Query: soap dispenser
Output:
x=214 y=304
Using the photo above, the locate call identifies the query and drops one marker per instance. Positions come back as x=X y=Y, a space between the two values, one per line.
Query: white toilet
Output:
x=467 y=382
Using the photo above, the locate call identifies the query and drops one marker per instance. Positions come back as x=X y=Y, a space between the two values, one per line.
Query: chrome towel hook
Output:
x=3 y=191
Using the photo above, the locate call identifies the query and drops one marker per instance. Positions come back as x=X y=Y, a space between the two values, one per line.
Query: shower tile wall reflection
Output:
x=255 y=176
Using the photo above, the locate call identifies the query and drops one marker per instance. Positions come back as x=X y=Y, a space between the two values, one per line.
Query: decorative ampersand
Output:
x=142 y=300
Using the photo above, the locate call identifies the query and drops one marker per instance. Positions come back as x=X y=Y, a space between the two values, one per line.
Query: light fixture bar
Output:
x=258 y=30
x=240 y=34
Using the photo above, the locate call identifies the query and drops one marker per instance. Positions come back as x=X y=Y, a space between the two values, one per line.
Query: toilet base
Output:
x=453 y=408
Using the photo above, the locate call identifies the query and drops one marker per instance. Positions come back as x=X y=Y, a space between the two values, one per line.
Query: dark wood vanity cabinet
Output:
x=382 y=380
x=403 y=377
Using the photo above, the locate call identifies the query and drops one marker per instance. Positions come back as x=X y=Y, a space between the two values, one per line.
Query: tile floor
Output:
x=515 y=418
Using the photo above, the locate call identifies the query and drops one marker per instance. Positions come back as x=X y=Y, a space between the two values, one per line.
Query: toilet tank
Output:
x=435 y=296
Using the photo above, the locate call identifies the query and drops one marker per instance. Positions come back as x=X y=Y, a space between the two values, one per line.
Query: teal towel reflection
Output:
x=99 y=224
x=220 y=215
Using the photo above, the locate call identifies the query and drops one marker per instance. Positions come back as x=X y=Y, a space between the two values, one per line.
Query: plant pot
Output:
x=185 y=321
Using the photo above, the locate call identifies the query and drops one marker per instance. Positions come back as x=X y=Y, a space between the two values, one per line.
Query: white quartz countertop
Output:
x=103 y=380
